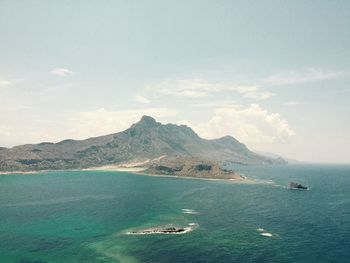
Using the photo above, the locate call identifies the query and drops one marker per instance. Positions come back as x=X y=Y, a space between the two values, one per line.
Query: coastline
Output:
x=106 y=168
x=26 y=172
x=139 y=171
x=237 y=181
x=116 y=168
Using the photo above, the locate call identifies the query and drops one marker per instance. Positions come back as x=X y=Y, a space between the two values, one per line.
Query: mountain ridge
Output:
x=145 y=139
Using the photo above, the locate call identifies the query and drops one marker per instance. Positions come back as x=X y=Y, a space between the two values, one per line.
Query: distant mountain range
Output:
x=275 y=156
x=146 y=139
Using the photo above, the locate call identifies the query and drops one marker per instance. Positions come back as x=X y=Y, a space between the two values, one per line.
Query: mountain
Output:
x=276 y=156
x=146 y=139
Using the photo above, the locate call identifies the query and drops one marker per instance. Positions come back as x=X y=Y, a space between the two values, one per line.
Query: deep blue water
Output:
x=83 y=217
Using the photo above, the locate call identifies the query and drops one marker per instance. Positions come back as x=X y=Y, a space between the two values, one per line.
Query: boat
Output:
x=297 y=186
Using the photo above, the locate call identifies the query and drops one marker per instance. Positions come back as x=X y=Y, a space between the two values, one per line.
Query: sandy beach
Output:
x=22 y=172
x=117 y=168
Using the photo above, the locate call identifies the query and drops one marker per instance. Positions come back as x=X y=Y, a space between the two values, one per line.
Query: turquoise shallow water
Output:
x=83 y=217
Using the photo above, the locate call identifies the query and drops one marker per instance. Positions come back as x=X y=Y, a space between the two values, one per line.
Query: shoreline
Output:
x=107 y=168
x=27 y=172
x=139 y=171
x=115 y=168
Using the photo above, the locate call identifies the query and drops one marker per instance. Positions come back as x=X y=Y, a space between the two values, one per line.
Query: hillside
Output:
x=189 y=167
x=146 y=139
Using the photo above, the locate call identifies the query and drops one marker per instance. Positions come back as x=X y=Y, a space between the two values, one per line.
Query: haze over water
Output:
x=83 y=217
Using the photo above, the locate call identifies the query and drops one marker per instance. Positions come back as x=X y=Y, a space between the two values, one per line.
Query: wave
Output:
x=266 y=234
x=189 y=211
x=263 y=232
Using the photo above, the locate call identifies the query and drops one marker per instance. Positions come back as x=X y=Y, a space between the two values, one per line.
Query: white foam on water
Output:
x=265 y=234
x=260 y=230
x=189 y=211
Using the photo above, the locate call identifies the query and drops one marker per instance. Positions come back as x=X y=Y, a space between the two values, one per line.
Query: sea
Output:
x=85 y=216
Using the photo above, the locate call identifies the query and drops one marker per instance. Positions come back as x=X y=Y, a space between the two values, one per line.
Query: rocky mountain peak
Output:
x=147 y=120
x=145 y=123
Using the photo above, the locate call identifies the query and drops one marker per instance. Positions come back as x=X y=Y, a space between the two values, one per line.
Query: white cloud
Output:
x=216 y=104
x=253 y=92
x=251 y=124
x=311 y=74
x=99 y=122
x=80 y=125
x=62 y=72
x=192 y=93
x=4 y=83
x=142 y=99
x=190 y=88
x=294 y=103
x=12 y=107
x=199 y=88
x=15 y=135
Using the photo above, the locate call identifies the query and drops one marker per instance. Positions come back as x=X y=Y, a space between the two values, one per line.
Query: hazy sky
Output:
x=273 y=74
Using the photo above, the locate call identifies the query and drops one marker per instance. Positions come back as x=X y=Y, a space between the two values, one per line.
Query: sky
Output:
x=273 y=74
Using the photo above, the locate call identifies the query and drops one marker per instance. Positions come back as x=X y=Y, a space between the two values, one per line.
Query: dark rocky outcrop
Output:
x=297 y=186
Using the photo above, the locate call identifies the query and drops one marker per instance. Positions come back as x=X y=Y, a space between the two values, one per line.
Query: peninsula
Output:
x=190 y=167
